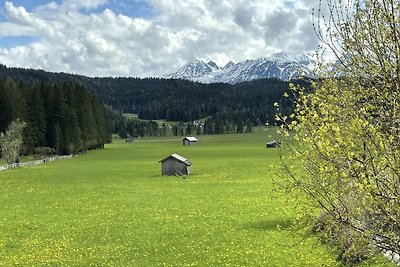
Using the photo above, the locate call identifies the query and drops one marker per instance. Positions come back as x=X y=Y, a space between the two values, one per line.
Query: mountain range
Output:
x=283 y=65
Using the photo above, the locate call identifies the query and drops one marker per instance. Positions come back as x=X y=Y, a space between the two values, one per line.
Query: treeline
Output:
x=225 y=108
x=228 y=108
x=127 y=127
x=181 y=100
x=61 y=116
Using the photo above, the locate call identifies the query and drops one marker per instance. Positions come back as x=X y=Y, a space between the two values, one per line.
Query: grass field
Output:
x=113 y=208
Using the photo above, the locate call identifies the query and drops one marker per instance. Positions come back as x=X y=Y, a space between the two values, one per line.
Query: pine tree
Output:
x=12 y=103
x=36 y=119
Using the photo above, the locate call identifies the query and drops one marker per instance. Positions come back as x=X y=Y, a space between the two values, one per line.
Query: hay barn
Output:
x=189 y=140
x=175 y=164
x=272 y=144
x=129 y=138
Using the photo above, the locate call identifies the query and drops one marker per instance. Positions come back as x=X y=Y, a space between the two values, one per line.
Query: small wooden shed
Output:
x=175 y=164
x=189 y=140
x=272 y=144
x=129 y=138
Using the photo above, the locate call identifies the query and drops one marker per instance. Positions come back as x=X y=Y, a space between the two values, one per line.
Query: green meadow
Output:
x=112 y=207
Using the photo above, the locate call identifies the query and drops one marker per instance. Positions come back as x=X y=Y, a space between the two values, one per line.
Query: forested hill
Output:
x=60 y=118
x=228 y=108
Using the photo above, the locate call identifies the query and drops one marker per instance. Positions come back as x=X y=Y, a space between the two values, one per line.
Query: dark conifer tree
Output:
x=86 y=118
x=35 y=132
x=56 y=102
x=12 y=103
x=5 y=109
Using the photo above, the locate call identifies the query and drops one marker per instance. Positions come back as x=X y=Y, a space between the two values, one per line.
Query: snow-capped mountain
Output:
x=283 y=65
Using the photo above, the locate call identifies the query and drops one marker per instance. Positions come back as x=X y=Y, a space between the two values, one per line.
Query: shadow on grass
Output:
x=268 y=225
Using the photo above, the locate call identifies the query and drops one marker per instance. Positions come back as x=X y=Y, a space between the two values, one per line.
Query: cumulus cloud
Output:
x=78 y=4
x=90 y=38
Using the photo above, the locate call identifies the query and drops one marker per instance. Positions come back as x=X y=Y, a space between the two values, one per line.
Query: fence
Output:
x=392 y=256
x=33 y=163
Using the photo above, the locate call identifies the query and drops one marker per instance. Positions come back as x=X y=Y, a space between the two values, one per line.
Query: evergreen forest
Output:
x=194 y=108
x=60 y=118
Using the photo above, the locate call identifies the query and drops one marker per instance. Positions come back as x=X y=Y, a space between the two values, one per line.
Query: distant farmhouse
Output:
x=175 y=165
x=272 y=144
x=189 y=140
x=197 y=123
x=129 y=138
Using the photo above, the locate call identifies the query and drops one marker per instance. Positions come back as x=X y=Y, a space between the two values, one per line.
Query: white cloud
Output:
x=71 y=39
x=79 y=4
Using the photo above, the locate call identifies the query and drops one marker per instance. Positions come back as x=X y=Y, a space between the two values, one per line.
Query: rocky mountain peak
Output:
x=284 y=65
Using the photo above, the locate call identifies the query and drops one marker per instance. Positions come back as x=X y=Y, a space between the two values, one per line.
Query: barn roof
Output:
x=190 y=139
x=179 y=158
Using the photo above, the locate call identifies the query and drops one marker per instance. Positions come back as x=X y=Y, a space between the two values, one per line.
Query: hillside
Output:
x=230 y=108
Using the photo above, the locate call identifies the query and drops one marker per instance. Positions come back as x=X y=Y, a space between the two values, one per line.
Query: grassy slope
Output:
x=113 y=208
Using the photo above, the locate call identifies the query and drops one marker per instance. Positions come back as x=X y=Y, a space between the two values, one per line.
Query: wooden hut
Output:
x=272 y=144
x=175 y=165
x=189 y=140
x=129 y=138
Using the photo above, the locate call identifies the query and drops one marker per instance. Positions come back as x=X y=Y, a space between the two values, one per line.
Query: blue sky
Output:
x=144 y=38
x=134 y=8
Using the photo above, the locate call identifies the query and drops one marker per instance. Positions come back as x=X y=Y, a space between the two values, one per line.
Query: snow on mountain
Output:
x=196 y=71
x=283 y=65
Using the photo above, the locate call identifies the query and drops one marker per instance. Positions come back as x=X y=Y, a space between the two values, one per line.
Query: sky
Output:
x=148 y=38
